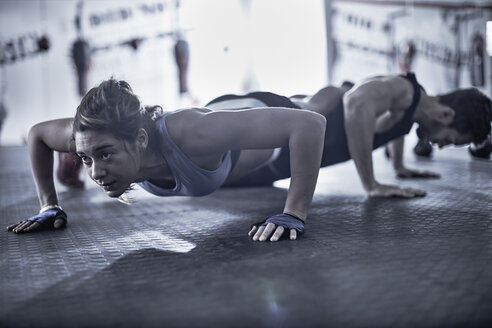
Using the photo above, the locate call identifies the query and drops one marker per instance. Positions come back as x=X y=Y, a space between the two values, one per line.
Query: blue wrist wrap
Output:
x=285 y=220
x=49 y=216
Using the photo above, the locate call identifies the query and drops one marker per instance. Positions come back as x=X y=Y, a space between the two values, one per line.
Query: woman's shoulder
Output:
x=185 y=115
x=182 y=123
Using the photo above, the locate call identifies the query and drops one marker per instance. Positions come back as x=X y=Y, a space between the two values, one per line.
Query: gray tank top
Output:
x=191 y=180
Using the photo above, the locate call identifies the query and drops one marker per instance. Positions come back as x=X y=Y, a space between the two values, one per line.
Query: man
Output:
x=371 y=113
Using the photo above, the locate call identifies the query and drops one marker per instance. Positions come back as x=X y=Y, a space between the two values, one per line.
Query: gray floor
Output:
x=187 y=262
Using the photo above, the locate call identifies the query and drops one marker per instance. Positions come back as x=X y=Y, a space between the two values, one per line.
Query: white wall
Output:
x=431 y=28
x=43 y=86
x=235 y=46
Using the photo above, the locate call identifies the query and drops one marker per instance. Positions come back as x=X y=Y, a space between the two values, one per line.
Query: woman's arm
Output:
x=43 y=138
x=267 y=128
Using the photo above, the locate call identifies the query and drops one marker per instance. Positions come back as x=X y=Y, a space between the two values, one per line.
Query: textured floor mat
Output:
x=181 y=262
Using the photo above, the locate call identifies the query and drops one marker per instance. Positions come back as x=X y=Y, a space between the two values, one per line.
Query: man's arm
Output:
x=362 y=106
x=396 y=153
x=360 y=121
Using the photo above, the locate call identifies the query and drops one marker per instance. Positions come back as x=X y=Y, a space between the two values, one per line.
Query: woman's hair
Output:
x=473 y=112
x=113 y=108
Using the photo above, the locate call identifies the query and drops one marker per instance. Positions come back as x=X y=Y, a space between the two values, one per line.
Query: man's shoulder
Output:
x=394 y=86
x=390 y=92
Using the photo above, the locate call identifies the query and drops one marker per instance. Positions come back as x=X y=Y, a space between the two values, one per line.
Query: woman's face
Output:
x=111 y=162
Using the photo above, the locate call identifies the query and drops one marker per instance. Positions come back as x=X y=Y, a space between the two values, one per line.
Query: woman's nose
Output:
x=98 y=171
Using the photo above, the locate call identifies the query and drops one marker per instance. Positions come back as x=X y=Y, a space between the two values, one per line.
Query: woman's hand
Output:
x=404 y=172
x=274 y=227
x=52 y=218
x=380 y=190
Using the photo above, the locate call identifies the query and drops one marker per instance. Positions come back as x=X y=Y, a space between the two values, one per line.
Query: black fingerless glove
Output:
x=48 y=217
x=285 y=220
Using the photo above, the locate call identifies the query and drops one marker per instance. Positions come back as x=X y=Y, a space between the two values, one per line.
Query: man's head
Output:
x=463 y=116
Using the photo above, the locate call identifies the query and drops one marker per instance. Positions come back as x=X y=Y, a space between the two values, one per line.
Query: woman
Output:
x=186 y=152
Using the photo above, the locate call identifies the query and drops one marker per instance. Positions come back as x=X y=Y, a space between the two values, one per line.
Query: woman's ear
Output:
x=142 y=138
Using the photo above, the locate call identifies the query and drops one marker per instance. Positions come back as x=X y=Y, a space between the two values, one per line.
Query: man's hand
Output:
x=404 y=172
x=381 y=190
x=49 y=219
x=274 y=227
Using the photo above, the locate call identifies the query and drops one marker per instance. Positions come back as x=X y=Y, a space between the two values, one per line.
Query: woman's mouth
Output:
x=107 y=186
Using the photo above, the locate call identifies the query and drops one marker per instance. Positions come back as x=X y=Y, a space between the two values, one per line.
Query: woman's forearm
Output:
x=41 y=159
x=43 y=139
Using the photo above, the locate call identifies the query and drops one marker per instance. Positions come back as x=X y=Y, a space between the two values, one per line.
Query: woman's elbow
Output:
x=318 y=119
x=34 y=133
x=315 y=124
x=37 y=133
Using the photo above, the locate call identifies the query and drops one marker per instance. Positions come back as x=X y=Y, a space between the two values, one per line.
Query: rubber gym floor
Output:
x=188 y=262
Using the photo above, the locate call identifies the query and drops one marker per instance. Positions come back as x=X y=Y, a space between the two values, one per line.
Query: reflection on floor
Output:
x=187 y=262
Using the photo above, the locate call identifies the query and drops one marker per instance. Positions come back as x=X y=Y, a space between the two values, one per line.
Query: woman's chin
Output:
x=114 y=193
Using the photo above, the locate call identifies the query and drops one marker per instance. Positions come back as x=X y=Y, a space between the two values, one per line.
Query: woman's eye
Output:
x=106 y=155
x=85 y=160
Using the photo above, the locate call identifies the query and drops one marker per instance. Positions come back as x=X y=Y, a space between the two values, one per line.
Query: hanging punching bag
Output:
x=406 y=57
x=477 y=73
x=182 y=56
x=81 y=55
x=69 y=164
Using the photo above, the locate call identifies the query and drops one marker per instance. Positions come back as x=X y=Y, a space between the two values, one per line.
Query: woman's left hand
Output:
x=274 y=227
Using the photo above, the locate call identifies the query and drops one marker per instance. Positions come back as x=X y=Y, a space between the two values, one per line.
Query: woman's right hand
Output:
x=52 y=218
x=273 y=228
